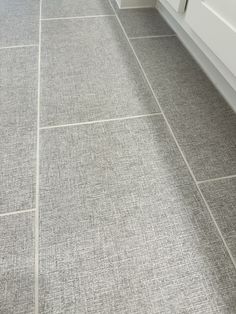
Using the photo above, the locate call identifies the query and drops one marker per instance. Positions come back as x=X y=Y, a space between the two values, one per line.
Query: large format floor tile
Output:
x=19 y=22
x=142 y=22
x=221 y=197
x=204 y=124
x=17 y=264
x=122 y=226
x=71 y=8
x=89 y=73
x=18 y=117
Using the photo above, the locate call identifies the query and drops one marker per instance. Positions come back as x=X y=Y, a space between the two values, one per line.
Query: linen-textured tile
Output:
x=89 y=73
x=142 y=22
x=203 y=123
x=17 y=264
x=69 y=8
x=19 y=22
x=18 y=117
x=221 y=197
x=122 y=226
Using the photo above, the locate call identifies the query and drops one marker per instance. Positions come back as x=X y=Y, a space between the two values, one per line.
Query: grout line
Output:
x=217 y=227
x=177 y=144
x=216 y=179
x=19 y=46
x=37 y=174
x=100 y=121
x=76 y=17
x=154 y=36
x=18 y=212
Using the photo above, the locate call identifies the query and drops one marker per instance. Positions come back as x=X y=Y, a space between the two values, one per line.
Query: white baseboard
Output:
x=220 y=76
x=135 y=4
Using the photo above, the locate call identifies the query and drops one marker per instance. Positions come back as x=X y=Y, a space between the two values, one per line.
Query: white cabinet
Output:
x=177 y=5
x=214 y=21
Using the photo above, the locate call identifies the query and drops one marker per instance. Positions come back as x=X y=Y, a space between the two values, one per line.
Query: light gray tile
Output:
x=89 y=73
x=70 y=8
x=17 y=264
x=204 y=124
x=19 y=22
x=18 y=117
x=122 y=226
x=221 y=197
x=142 y=22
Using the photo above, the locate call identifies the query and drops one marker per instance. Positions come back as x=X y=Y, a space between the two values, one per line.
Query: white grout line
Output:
x=177 y=144
x=18 y=212
x=217 y=227
x=76 y=17
x=216 y=179
x=37 y=176
x=99 y=121
x=154 y=36
x=19 y=46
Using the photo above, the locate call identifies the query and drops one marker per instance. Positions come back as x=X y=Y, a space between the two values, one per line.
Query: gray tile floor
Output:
x=118 y=181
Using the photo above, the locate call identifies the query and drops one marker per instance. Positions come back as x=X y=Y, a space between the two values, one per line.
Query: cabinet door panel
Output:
x=214 y=21
x=177 y=5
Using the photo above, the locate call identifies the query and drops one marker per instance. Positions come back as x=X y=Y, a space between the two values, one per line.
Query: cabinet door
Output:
x=177 y=5
x=214 y=21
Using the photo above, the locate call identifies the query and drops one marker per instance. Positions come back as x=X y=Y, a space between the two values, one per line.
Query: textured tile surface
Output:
x=17 y=264
x=19 y=22
x=204 y=125
x=142 y=22
x=89 y=73
x=221 y=197
x=68 y=8
x=18 y=117
x=122 y=226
